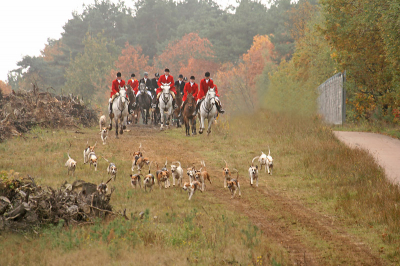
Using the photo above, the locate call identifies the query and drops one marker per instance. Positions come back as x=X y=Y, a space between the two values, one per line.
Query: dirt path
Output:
x=282 y=221
x=385 y=149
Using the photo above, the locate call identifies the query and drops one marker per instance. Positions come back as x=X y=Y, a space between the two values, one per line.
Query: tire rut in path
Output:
x=345 y=246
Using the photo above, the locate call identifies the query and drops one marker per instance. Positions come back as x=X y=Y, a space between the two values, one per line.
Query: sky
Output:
x=25 y=26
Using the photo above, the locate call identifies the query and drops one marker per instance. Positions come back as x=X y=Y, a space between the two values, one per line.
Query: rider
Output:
x=167 y=78
x=180 y=84
x=134 y=83
x=190 y=87
x=205 y=84
x=154 y=82
x=116 y=84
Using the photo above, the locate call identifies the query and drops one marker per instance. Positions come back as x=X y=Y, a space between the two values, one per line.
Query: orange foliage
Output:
x=198 y=67
x=237 y=82
x=178 y=53
x=131 y=60
x=50 y=51
x=5 y=88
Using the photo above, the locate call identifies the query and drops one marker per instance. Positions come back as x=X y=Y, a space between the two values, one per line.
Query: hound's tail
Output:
x=269 y=151
x=237 y=174
x=105 y=159
x=252 y=161
x=226 y=164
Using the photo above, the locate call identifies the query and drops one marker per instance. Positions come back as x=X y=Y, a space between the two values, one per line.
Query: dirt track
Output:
x=282 y=221
x=385 y=149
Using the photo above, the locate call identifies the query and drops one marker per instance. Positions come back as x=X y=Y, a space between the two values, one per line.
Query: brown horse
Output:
x=178 y=100
x=132 y=99
x=188 y=117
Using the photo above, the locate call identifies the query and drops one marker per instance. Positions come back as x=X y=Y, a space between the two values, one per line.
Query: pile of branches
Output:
x=24 y=204
x=23 y=109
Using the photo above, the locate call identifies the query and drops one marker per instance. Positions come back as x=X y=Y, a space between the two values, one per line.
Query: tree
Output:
x=87 y=73
x=238 y=81
x=4 y=88
x=178 y=53
x=131 y=60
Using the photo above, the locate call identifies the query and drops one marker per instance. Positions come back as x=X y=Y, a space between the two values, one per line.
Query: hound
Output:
x=177 y=173
x=111 y=169
x=102 y=122
x=104 y=135
x=191 y=171
x=163 y=179
x=71 y=165
x=148 y=180
x=93 y=160
x=87 y=151
x=140 y=163
x=102 y=188
x=202 y=176
x=266 y=160
x=253 y=172
x=137 y=155
x=191 y=188
x=226 y=174
x=135 y=180
x=233 y=185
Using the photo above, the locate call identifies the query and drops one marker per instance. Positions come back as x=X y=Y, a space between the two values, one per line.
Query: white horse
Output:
x=208 y=110
x=165 y=103
x=120 y=111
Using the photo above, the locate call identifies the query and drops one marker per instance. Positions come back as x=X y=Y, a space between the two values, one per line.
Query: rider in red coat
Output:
x=190 y=87
x=116 y=84
x=167 y=78
x=134 y=83
x=205 y=84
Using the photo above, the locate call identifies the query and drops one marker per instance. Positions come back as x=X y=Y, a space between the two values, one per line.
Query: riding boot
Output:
x=219 y=108
x=197 y=108
x=110 y=111
x=174 y=104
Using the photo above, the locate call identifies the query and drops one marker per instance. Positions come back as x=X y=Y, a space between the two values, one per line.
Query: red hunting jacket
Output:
x=134 y=85
x=204 y=88
x=114 y=86
x=162 y=79
x=190 y=89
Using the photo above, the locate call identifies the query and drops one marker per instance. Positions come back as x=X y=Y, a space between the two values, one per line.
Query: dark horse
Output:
x=132 y=98
x=155 y=110
x=188 y=117
x=144 y=102
x=178 y=100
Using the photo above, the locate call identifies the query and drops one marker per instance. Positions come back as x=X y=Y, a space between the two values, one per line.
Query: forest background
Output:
x=272 y=57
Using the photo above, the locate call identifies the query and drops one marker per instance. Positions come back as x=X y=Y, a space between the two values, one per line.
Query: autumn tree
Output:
x=131 y=60
x=178 y=53
x=4 y=88
x=238 y=81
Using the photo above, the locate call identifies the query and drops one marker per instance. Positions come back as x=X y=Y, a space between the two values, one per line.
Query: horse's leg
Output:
x=210 y=122
x=162 y=117
x=116 y=127
x=187 y=126
x=194 y=125
x=124 y=124
x=201 y=124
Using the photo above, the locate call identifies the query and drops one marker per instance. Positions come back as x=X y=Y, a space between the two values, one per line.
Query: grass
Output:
x=374 y=127
x=320 y=190
x=173 y=230
x=313 y=167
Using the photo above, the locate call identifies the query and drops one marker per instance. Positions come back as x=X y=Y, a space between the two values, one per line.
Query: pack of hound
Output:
x=196 y=178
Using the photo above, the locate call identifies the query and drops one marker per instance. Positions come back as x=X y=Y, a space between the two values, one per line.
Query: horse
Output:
x=188 y=116
x=132 y=98
x=155 y=111
x=144 y=101
x=178 y=100
x=165 y=103
x=208 y=110
x=120 y=111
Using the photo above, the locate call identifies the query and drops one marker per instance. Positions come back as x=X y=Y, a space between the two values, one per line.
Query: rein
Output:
x=207 y=103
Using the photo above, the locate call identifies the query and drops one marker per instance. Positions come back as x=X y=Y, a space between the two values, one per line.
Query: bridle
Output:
x=206 y=105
